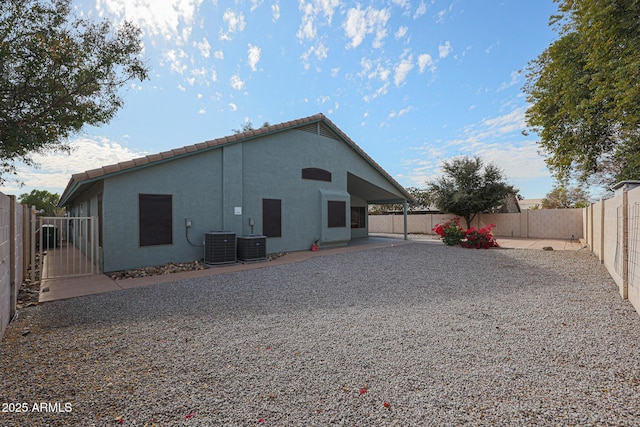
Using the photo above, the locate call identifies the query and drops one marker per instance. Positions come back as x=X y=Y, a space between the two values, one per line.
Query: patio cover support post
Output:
x=404 y=209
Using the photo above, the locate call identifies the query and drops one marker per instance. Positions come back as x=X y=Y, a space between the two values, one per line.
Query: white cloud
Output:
x=402 y=3
x=421 y=10
x=199 y=72
x=233 y=106
x=496 y=140
x=445 y=49
x=382 y=90
x=169 y=19
x=424 y=61
x=255 y=4
x=402 y=70
x=235 y=23
x=311 y=10
x=275 y=11
x=204 y=47
x=402 y=31
x=175 y=58
x=515 y=79
x=253 y=54
x=218 y=54
x=360 y=23
x=320 y=52
x=56 y=168
x=443 y=13
x=236 y=82
x=202 y=111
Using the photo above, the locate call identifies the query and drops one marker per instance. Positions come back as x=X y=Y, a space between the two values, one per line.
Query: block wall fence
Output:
x=612 y=233
x=15 y=238
x=542 y=224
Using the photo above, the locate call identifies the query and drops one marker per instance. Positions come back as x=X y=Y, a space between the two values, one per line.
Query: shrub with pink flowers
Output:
x=479 y=238
x=452 y=234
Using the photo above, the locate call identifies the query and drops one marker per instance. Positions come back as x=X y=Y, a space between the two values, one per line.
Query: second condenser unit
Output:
x=252 y=248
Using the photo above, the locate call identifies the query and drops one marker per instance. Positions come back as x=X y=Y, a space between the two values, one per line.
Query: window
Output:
x=316 y=174
x=272 y=217
x=155 y=219
x=337 y=214
x=358 y=217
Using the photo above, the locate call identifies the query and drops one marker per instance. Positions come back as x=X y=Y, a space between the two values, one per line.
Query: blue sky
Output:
x=413 y=83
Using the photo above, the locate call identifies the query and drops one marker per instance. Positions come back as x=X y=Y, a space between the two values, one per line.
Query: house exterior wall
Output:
x=195 y=184
x=224 y=188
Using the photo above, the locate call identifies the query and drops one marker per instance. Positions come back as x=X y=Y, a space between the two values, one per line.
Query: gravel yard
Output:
x=416 y=334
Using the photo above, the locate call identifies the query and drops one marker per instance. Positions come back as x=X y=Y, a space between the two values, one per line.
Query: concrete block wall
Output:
x=612 y=230
x=633 y=235
x=15 y=231
x=6 y=303
x=547 y=223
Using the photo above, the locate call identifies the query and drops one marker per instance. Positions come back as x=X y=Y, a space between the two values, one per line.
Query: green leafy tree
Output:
x=562 y=197
x=58 y=73
x=46 y=203
x=422 y=201
x=468 y=187
x=584 y=92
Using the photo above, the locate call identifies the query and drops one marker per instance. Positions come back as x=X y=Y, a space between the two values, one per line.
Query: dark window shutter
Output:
x=337 y=213
x=316 y=174
x=155 y=219
x=272 y=217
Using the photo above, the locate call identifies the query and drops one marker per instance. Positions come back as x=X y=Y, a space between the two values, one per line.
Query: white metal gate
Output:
x=67 y=246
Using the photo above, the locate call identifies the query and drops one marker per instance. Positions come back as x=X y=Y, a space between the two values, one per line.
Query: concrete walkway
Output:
x=63 y=288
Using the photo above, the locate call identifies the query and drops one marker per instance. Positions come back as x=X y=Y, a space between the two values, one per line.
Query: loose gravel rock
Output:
x=416 y=334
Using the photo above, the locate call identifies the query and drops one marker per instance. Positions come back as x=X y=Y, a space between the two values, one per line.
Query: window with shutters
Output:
x=155 y=219
x=337 y=214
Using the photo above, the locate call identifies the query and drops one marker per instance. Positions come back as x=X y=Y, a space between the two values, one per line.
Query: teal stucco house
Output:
x=293 y=182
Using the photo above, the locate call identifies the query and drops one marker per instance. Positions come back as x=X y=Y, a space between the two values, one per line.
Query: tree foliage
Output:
x=584 y=92
x=247 y=126
x=46 y=203
x=58 y=73
x=468 y=187
x=422 y=197
x=562 y=197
